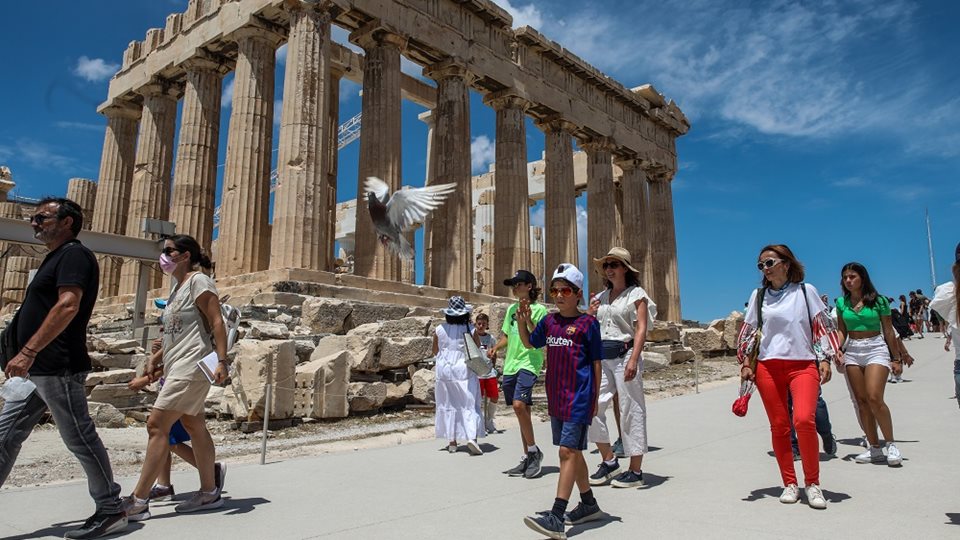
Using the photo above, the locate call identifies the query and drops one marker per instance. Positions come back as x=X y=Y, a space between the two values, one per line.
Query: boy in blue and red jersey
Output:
x=574 y=352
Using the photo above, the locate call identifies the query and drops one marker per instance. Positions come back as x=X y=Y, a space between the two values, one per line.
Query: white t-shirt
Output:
x=945 y=303
x=618 y=319
x=185 y=338
x=786 y=322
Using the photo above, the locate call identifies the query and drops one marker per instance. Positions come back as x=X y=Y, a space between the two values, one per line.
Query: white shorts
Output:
x=863 y=352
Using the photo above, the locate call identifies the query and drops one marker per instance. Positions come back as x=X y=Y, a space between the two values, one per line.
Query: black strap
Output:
x=760 y=292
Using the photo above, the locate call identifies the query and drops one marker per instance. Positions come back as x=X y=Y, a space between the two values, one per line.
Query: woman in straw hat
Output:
x=624 y=311
x=457 y=391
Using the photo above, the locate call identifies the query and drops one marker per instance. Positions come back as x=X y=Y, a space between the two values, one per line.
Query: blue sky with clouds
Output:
x=830 y=126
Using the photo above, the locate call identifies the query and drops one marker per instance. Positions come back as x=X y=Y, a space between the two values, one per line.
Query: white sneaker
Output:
x=874 y=454
x=815 y=497
x=790 y=495
x=474 y=448
x=893 y=455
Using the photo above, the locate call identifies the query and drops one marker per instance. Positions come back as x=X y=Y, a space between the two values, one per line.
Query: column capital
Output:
x=428 y=118
x=555 y=123
x=323 y=8
x=627 y=163
x=122 y=109
x=259 y=32
x=597 y=144
x=206 y=61
x=509 y=98
x=375 y=34
x=657 y=172
x=160 y=88
x=449 y=68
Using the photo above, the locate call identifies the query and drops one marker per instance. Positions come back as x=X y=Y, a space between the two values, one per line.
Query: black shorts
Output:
x=519 y=387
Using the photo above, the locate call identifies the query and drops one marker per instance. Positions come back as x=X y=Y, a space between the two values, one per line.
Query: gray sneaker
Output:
x=99 y=525
x=519 y=469
x=582 y=514
x=134 y=511
x=548 y=525
x=533 y=464
x=199 y=502
x=628 y=479
x=604 y=473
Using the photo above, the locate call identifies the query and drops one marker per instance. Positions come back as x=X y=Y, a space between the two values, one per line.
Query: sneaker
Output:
x=893 y=455
x=520 y=468
x=604 y=473
x=830 y=445
x=796 y=455
x=534 y=459
x=452 y=448
x=873 y=455
x=815 y=497
x=99 y=525
x=892 y=379
x=548 y=525
x=134 y=510
x=474 y=448
x=582 y=514
x=628 y=479
x=199 y=502
x=618 y=448
x=158 y=492
x=219 y=475
x=790 y=495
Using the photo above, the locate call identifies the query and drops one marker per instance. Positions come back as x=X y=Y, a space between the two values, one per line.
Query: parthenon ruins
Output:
x=628 y=137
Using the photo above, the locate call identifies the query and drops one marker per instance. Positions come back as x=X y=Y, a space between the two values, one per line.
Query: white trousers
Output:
x=633 y=407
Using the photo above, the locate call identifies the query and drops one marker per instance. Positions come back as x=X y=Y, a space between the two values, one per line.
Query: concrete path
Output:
x=709 y=475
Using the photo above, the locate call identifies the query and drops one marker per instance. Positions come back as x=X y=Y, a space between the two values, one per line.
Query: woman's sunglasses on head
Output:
x=768 y=263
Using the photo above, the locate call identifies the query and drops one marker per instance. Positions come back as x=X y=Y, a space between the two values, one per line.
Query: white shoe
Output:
x=815 y=497
x=474 y=448
x=873 y=455
x=893 y=455
x=790 y=495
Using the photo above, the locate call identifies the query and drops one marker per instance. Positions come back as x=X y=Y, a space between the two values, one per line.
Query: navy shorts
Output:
x=178 y=434
x=519 y=387
x=569 y=434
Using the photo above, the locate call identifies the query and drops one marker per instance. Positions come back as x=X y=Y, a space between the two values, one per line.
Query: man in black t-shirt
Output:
x=51 y=331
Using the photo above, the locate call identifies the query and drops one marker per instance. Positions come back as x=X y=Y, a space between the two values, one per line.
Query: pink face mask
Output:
x=167 y=264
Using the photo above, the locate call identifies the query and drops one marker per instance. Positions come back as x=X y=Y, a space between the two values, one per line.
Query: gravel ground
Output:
x=44 y=459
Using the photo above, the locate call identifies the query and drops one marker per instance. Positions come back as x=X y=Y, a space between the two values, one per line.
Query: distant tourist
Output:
x=457 y=392
x=916 y=313
x=488 y=383
x=521 y=369
x=50 y=330
x=574 y=353
x=946 y=300
x=864 y=321
x=624 y=311
x=193 y=328
x=900 y=318
x=788 y=330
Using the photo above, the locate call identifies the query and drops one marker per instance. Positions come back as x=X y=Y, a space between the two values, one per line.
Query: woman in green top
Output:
x=863 y=317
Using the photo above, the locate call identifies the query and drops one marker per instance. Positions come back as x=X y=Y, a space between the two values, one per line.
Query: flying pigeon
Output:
x=393 y=214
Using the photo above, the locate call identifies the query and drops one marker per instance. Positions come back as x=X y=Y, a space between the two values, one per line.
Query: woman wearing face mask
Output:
x=796 y=339
x=193 y=328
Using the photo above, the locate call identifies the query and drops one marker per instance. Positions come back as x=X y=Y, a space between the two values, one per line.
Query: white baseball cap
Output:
x=569 y=272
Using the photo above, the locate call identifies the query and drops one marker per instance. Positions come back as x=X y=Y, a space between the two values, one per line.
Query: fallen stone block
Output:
x=703 y=339
x=267 y=330
x=325 y=315
x=405 y=327
x=663 y=332
x=424 y=383
x=366 y=396
x=105 y=415
x=397 y=352
x=255 y=364
x=120 y=396
x=321 y=387
x=364 y=351
x=731 y=329
x=397 y=394
x=112 y=376
x=653 y=361
x=364 y=313
x=278 y=299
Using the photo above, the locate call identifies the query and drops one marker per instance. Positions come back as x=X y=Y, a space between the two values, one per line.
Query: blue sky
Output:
x=830 y=126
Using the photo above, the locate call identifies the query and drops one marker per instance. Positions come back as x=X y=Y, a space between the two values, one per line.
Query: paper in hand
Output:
x=208 y=365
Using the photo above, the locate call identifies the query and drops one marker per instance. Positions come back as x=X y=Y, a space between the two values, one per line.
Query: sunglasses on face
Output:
x=611 y=264
x=40 y=218
x=768 y=263
x=563 y=292
x=170 y=251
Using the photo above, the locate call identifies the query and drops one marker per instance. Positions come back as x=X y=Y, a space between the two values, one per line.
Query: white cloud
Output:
x=528 y=15
x=277 y=111
x=226 y=99
x=281 y=54
x=79 y=125
x=482 y=153
x=39 y=155
x=850 y=182
x=537 y=215
x=94 y=69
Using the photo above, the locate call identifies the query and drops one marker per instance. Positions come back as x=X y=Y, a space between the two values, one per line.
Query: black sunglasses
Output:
x=40 y=218
x=611 y=264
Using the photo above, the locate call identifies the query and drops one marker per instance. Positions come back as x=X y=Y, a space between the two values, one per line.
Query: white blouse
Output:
x=786 y=331
x=618 y=319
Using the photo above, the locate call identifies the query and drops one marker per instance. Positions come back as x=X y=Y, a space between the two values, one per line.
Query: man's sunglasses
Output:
x=561 y=291
x=40 y=218
x=611 y=264
x=768 y=263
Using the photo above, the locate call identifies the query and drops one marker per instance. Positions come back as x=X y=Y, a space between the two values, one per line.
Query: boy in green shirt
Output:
x=521 y=368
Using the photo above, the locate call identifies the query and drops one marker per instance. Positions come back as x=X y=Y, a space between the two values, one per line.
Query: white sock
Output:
x=532 y=448
x=612 y=462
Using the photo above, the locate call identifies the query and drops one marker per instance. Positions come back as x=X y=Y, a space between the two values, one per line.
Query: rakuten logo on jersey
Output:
x=553 y=341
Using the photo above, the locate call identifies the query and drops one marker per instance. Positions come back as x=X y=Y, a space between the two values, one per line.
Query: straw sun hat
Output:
x=619 y=254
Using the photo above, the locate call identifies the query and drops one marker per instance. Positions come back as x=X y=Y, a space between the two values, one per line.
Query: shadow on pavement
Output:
x=577 y=529
x=954 y=518
x=758 y=494
x=835 y=496
x=549 y=469
x=488 y=448
x=59 y=529
x=653 y=480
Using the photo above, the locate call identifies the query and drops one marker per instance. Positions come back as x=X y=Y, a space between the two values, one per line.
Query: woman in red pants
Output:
x=797 y=339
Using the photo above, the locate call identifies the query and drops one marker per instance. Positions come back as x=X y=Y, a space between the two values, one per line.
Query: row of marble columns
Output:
x=138 y=170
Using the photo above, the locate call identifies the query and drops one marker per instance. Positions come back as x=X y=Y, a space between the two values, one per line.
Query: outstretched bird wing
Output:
x=411 y=205
x=378 y=187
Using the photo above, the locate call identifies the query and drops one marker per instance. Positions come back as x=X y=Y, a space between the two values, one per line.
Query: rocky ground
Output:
x=45 y=460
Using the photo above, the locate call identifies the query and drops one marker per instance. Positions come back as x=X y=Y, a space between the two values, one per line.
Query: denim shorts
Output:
x=519 y=387
x=569 y=434
x=178 y=434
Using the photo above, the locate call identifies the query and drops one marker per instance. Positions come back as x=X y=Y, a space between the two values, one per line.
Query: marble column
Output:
x=511 y=241
x=451 y=231
x=429 y=118
x=116 y=176
x=300 y=215
x=408 y=267
x=380 y=144
x=83 y=191
x=636 y=219
x=560 y=197
x=601 y=202
x=333 y=151
x=150 y=192
x=536 y=255
x=243 y=244
x=663 y=246
x=195 y=173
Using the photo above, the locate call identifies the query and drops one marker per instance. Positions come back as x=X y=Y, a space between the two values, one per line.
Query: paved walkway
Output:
x=709 y=476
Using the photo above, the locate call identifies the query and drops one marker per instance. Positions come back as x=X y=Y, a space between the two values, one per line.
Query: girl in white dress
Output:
x=458 y=389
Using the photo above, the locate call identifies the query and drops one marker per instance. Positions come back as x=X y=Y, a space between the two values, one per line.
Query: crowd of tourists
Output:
x=590 y=347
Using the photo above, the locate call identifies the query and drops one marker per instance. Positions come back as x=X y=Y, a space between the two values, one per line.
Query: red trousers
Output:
x=489 y=390
x=800 y=379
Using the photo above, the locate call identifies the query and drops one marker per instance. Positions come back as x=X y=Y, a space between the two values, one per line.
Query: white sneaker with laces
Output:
x=815 y=497
x=874 y=454
x=893 y=455
x=790 y=495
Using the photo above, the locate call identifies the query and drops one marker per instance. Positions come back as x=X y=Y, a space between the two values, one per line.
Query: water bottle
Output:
x=17 y=389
